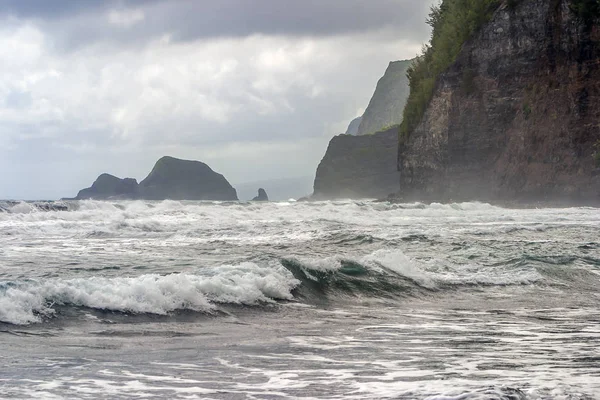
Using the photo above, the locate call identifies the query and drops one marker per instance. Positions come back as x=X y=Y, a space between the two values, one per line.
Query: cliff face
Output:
x=364 y=166
x=386 y=105
x=516 y=117
x=358 y=167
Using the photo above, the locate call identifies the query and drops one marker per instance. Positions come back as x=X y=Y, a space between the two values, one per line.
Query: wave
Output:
x=390 y=273
x=373 y=220
x=32 y=301
x=385 y=274
x=26 y=207
x=486 y=394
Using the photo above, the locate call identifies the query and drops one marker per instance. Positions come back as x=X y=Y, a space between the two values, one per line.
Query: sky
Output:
x=254 y=88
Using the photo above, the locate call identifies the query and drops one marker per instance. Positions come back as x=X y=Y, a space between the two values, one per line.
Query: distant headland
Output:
x=171 y=178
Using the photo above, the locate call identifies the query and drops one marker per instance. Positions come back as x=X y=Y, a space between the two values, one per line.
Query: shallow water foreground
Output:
x=347 y=300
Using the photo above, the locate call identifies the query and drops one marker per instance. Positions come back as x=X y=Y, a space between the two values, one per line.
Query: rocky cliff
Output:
x=170 y=178
x=358 y=167
x=386 y=105
x=516 y=115
x=364 y=166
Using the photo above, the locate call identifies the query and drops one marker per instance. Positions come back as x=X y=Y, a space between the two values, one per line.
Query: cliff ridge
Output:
x=386 y=105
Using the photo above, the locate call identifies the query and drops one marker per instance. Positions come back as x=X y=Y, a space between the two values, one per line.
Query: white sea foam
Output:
x=281 y=222
x=22 y=208
x=26 y=302
x=159 y=234
x=247 y=283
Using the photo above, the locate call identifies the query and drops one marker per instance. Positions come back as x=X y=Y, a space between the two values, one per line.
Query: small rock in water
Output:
x=262 y=195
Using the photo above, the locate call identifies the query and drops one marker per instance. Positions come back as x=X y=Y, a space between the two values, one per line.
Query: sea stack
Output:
x=262 y=195
x=176 y=179
x=170 y=178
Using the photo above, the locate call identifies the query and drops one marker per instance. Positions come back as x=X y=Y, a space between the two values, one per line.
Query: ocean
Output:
x=287 y=300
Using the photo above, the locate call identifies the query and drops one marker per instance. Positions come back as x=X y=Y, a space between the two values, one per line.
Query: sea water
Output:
x=324 y=300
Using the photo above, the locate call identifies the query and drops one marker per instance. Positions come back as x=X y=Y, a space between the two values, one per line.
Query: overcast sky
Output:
x=254 y=88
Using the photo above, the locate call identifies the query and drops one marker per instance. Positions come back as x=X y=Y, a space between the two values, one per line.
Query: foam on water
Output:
x=433 y=274
x=380 y=273
x=279 y=222
x=342 y=299
x=29 y=301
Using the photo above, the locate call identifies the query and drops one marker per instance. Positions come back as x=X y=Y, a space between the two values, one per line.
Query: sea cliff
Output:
x=364 y=166
x=515 y=116
x=358 y=167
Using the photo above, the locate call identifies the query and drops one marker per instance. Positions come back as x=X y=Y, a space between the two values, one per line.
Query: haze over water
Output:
x=334 y=300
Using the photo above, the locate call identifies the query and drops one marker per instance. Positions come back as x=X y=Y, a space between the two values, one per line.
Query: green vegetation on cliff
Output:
x=452 y=22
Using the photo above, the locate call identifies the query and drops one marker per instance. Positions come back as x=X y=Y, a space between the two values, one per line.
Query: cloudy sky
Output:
x=254 y=88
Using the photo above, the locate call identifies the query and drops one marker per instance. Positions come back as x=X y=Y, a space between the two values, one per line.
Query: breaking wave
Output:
x=382 y=274
x=25 y=207
x=31 y=301
x=390 y=273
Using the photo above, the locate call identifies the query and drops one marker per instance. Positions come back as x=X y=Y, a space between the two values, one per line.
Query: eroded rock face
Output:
x=516 y=116
x=385 y=108
x=358 y=167
x=176 y=179
x=262 y=195
x=110 y=187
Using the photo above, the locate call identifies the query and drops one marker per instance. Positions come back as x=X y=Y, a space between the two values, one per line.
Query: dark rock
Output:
x=110 y=187
x=358 y=167
x=262 y=195
x=176 y=179
x=526 y=126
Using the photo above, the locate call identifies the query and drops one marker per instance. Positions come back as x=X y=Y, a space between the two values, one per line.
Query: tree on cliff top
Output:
x=452 y=23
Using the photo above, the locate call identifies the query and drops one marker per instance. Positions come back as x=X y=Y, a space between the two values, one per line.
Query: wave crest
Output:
x=385 y=274
x=390 y=273
x=249 y=284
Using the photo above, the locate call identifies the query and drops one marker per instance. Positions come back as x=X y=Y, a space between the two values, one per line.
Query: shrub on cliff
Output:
x=452 y=23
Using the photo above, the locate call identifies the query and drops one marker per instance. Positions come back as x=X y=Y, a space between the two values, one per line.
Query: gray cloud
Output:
x=287 y=17
x=254 y=88
x=78 y=23
x=45 y=9
x=208 y=18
